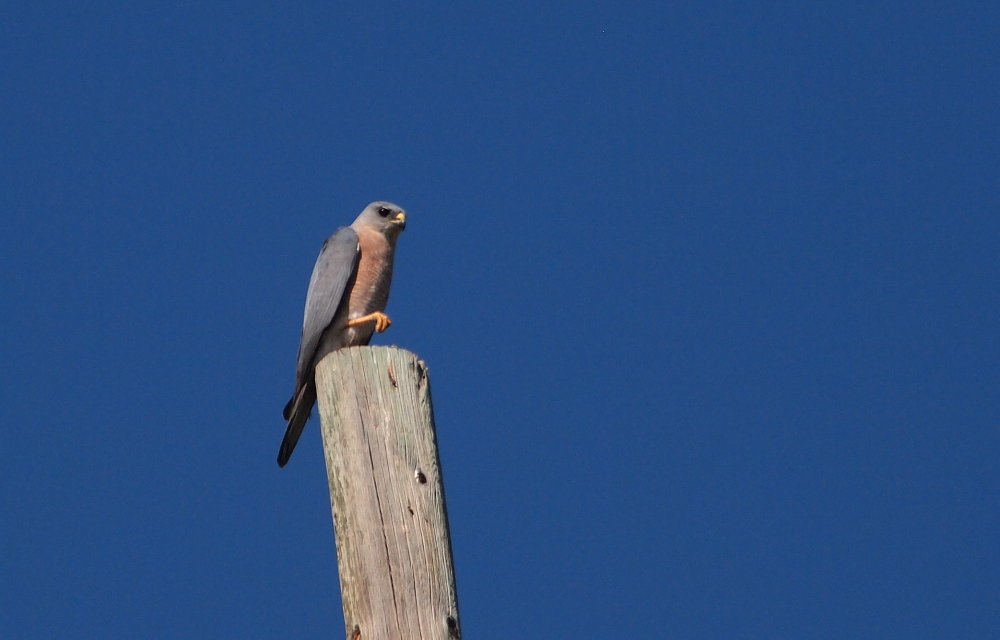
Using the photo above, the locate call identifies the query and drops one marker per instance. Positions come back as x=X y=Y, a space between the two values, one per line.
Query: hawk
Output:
x=345 y=303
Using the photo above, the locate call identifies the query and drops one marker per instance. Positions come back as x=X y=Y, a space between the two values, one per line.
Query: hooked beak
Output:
x=400 y=220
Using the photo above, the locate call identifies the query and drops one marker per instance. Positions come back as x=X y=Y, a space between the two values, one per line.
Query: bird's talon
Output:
x=382 y=322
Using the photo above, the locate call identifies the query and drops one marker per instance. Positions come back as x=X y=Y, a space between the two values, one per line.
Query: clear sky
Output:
x=708 y=293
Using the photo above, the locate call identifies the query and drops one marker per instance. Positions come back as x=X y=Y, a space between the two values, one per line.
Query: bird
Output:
x=345 y=303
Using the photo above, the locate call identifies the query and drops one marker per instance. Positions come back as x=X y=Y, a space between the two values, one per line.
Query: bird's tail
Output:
x=296 y=412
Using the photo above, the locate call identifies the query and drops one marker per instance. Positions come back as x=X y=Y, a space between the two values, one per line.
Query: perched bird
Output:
x=345 y=303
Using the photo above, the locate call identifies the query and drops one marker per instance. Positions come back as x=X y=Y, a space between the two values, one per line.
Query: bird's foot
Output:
x=382 y=321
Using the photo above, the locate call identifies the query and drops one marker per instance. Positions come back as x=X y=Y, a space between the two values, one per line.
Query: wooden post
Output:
x=393 y=549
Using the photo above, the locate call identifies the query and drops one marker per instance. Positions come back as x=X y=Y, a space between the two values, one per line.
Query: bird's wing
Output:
x=327 y=288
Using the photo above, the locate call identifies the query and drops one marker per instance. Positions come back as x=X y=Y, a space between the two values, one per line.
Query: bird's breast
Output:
x=371 y=287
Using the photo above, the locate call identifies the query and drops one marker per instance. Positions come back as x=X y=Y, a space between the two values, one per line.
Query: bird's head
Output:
x=386 y=217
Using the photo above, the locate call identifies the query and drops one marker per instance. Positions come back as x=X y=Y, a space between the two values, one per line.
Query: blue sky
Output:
x=708 y=293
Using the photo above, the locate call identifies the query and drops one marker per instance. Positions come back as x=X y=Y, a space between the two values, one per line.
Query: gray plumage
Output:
x=349 y=283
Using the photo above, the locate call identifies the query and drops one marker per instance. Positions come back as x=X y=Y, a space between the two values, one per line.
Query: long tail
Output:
x=296 y=412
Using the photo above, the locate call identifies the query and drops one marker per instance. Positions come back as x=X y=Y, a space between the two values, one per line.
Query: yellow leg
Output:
x=382 y=321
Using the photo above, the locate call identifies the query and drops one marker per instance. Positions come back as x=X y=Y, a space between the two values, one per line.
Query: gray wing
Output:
x=334 y=268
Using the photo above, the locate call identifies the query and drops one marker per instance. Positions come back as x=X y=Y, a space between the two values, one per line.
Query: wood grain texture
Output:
x=387 y=495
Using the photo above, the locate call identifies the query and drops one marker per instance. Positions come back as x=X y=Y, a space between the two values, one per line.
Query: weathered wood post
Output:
x=393 y=549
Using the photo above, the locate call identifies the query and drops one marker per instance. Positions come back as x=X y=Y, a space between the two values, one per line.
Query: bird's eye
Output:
x=382 y=211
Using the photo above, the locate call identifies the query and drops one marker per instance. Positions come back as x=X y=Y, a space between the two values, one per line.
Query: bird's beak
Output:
x=400 y=220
